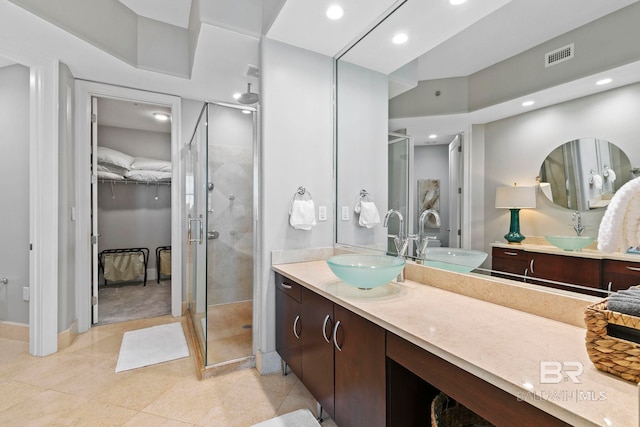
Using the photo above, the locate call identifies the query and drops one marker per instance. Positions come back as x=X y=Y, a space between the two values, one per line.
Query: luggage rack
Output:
x=143 y=251
x=159 y=250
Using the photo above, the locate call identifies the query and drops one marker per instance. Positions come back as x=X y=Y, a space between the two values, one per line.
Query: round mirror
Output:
x=584 y=174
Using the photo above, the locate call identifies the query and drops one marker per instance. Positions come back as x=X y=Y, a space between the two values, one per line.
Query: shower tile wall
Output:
x=231 y=214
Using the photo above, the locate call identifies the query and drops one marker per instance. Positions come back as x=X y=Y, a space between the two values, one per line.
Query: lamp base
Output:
x=513 y=236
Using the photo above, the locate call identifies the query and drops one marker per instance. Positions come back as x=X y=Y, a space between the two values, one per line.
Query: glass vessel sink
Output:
x=453 y=259
x=570 y=243
x=366 y=271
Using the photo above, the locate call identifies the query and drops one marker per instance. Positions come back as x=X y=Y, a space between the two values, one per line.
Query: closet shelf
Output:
x=131 y=181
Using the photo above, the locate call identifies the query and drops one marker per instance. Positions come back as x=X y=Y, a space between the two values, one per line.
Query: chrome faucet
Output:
x=422 y=239
x=401 y=242
x=578 y=226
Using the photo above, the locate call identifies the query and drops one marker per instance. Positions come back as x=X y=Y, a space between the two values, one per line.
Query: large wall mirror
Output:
x=402 y=111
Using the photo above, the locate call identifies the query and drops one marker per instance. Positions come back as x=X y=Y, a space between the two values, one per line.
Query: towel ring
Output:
x=364 y=195
x=302 y=194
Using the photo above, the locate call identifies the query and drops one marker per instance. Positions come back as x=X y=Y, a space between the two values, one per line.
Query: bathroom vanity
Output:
x=588 y=268
x=378 y=357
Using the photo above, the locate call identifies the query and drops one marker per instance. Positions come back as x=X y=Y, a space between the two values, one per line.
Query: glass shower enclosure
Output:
x=220 y=204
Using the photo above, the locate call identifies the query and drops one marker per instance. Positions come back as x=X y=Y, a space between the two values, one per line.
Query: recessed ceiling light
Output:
x=236 y=95
x=246 y=111
x=161 y=117
x=335 y=12
x=400 y=38
x=432 y=136
x=457 y=2
x=604 y=82
x=527 y=103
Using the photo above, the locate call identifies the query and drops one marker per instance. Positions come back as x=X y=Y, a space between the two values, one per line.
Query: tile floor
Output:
x=229 y=333
x=78 y=386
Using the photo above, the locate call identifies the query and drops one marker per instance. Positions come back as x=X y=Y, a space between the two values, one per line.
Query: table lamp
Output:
x=515 y=198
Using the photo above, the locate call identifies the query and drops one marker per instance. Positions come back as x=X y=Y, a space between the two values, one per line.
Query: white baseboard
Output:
x=268 y=363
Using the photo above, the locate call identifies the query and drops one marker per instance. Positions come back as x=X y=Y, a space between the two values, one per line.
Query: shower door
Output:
x=221 y=223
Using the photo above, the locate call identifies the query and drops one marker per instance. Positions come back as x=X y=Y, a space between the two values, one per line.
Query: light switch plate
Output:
x=25 y=293
x=322 y=213
x=345 y=213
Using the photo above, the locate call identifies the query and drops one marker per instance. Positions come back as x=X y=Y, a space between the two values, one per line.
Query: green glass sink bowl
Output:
x=570 y=243
x=366 y=271
x=453 y=259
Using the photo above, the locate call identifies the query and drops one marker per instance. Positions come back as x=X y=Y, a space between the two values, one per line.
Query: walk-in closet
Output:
x=132 y=205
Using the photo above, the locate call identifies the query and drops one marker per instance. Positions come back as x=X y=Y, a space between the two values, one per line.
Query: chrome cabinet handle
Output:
x=526 y=273
x=335 y=336
x=286 y=286
x=633 y=268
x=511 y=253
x=295 y=327
x=531 y=266
x=609 y=287
x=324 y=329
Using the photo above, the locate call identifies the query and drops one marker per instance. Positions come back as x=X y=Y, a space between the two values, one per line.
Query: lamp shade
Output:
x=515 y=197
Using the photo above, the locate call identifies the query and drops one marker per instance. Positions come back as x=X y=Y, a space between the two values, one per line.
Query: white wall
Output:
x=297 y=150
x=362 y=147
x=14 y=190
x=134 y=218
x=432 y=162
x=516 y=147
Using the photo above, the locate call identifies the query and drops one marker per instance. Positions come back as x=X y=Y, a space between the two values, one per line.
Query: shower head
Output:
x=248 y=97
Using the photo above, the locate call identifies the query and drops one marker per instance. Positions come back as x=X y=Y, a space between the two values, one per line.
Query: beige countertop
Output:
x=503 y=346
x=584 y=253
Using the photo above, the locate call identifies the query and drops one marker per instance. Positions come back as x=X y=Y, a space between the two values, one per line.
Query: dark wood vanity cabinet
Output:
x=338 y=355
x=288 y=323
x=540 y=268
x=618 y=275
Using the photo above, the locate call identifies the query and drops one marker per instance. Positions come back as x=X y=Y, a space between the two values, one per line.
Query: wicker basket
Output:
x=611 y=354
x=446 y=412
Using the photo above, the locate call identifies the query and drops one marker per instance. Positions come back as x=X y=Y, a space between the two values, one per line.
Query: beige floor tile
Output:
x=149 y=420
x=294 y=402
x=10 y=348
x=244 y=406
x=86 y=339
x=92 y=382
x=41 y=409
x=189 y=401
x=52 y=370
x=106 y=348
x=273 y=382
x=12 y=393
x=229 y=348
x=95 y=414
x=300 y=390
x=136 y=390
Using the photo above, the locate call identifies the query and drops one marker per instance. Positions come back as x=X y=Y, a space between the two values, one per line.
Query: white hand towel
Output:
x=369 y=215
x=302 y=214
x=620 y=225
x=611 y=176
x=596 y=180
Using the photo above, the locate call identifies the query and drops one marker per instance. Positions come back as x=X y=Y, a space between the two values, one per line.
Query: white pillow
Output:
x=143 y=163
x=114 y=157
x=146 y=175
x=106 y=167
x=109 y=175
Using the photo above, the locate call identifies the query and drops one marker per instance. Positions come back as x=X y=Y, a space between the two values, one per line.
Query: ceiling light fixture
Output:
x=527 y=103
x=432 y=136
x=335 y=12
x=161 y=117
x=400 y=38
x=603 y=82
x=456 y=2
x=236 y=95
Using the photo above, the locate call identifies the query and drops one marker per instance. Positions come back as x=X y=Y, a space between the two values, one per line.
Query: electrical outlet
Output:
x=322 y=213
x=25 y=293
x=345 y=213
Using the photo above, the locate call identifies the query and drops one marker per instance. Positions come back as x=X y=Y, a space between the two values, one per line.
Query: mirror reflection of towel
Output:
x=596 y=180
x=369 y=215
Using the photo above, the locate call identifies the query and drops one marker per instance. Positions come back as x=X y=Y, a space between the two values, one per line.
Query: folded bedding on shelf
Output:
x=109 y=175
x=106 y=167
x=147 y=175
x=144 y=163
x=114 y=157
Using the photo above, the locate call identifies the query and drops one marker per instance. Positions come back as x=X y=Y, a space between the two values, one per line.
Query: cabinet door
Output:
x=360 y=383
x=317 y=348
x=288 y=326
x=566 y=269
x=620 y=274
x=511 y=261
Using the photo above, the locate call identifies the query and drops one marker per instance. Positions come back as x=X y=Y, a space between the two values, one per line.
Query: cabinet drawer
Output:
x=289 y=287
x=509 y=253
x=622 y=267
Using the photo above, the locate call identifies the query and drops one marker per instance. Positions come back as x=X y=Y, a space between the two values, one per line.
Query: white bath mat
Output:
x=149 y=346
x=299 y=418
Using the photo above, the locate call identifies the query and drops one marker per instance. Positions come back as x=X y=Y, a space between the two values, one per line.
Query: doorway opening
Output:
x=131 y=215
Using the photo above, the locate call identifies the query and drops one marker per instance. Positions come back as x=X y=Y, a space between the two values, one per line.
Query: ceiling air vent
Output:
x=559 y=55
x=252 y=71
